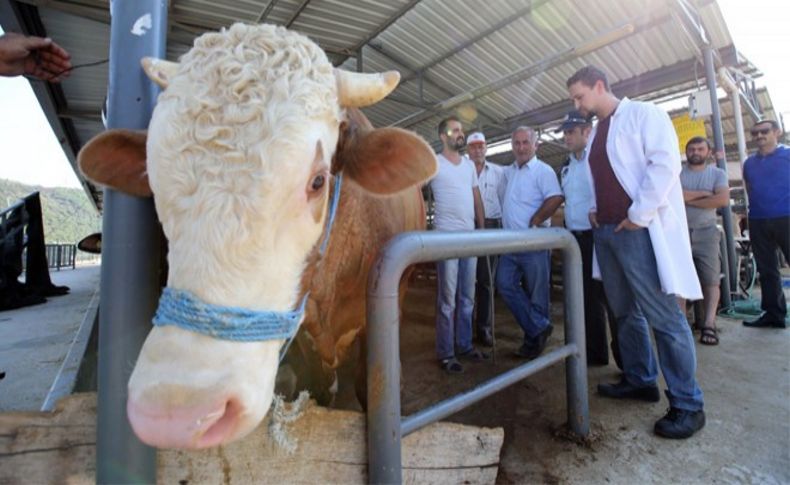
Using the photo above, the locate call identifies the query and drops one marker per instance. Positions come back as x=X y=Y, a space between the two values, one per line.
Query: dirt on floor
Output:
x=746 y=381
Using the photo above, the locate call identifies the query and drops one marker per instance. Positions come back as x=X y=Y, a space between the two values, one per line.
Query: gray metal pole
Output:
x=130 y=247
x=721 y=158
x=576 y=367
x=384 y=419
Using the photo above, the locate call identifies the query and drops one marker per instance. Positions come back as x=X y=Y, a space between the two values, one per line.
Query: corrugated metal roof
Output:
x=441 y=48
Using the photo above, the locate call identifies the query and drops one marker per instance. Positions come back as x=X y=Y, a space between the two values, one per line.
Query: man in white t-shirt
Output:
x=457 y=207
x=532 y=195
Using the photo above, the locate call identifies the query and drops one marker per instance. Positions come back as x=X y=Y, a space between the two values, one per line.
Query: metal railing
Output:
x=61 y=256
x=385 y=426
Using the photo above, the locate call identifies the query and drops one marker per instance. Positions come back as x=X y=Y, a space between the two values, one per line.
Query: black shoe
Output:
x=532 y=349
x=680 y=423
x=485 y=338
x=624 y=390
x=764 y=322
x=475 y=355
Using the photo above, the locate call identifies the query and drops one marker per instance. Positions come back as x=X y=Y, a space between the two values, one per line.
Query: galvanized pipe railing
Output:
x=385 y=428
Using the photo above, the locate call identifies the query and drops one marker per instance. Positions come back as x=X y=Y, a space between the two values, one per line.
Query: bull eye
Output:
x=318 y=182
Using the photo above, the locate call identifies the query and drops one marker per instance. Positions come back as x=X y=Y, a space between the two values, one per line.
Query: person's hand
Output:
x=593 y=216
x=33 y=56
x=628 y=225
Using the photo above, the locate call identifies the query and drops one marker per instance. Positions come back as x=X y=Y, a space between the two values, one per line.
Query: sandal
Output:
x=709 y=336
x=451 y=366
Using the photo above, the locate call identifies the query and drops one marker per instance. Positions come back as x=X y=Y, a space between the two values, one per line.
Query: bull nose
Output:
x=184 y=427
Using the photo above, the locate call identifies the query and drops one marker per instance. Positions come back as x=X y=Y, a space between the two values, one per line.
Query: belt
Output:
x=581 y=233
x=493 y=223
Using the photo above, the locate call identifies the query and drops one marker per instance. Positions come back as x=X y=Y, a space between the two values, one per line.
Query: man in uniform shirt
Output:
x=457 y=207
x=532 y=195
x=490 y=182
x=579 y=199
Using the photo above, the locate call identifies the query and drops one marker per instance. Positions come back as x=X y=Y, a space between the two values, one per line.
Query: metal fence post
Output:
x=130 y=247
x=385 y=427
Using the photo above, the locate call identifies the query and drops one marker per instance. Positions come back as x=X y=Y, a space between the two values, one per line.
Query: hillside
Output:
x=68 y=214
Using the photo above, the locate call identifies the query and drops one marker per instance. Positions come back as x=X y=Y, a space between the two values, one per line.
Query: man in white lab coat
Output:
x=642 y=248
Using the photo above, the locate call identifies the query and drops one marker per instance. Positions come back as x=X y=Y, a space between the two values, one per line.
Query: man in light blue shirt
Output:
x=532 y=195
x=579 y=200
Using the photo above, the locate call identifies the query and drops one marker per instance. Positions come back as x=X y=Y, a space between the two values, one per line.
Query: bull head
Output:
x=239 y=156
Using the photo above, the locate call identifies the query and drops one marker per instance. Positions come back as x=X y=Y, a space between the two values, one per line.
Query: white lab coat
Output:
x=643 y=151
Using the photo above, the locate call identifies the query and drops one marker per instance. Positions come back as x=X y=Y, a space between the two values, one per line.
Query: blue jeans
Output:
x=630 y=278
x=455 y=300
x=529 y=305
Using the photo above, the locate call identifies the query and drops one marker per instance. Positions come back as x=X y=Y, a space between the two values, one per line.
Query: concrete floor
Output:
x=36 y=339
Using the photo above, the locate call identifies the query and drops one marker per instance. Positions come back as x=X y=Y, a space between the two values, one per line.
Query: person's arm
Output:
x=546 y=210
x=33 y=56
x=719 y=198
x=479 y=213
x=690 y=195
x=552 y=197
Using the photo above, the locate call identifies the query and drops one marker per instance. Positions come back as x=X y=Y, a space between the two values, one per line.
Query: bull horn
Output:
x=159 y=70
x=357 y=90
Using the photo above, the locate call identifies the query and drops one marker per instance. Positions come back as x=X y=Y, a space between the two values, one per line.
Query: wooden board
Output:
x=60 y=447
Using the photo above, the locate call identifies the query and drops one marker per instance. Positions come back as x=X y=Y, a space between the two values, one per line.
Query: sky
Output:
x=32 y=155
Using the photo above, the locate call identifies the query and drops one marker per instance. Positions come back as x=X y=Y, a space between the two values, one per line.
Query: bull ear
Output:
x=116 y=158
x=388 y=160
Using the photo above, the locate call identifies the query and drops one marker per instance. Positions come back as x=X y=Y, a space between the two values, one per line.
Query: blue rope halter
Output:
x=183 y=309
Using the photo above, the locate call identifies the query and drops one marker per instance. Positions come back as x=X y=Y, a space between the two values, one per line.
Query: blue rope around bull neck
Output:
x=183 y=309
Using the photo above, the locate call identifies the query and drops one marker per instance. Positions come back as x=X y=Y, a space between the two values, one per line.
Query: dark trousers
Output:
x=766 y=236
x=596 y=309
x=486 y=276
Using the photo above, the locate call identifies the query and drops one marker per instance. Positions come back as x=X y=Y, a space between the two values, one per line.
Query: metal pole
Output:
x=576 y=366
x=726 y=298
x=130 y=247
x=721 y=158
x=735 y=98
x=384 y=420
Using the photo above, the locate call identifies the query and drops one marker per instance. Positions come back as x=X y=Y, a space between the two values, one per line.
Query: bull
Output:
x=248 y=136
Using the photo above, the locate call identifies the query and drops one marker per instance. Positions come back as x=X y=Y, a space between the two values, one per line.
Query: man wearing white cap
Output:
x=490 y=182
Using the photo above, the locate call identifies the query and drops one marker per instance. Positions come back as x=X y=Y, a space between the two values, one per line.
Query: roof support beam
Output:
x=651 y=81
x=266 y=11
x=491 y=119
x=296 y=14
x=381 y=28
x=482 y=35
x=181 y=33
x=77 y=114
x=544 y=64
